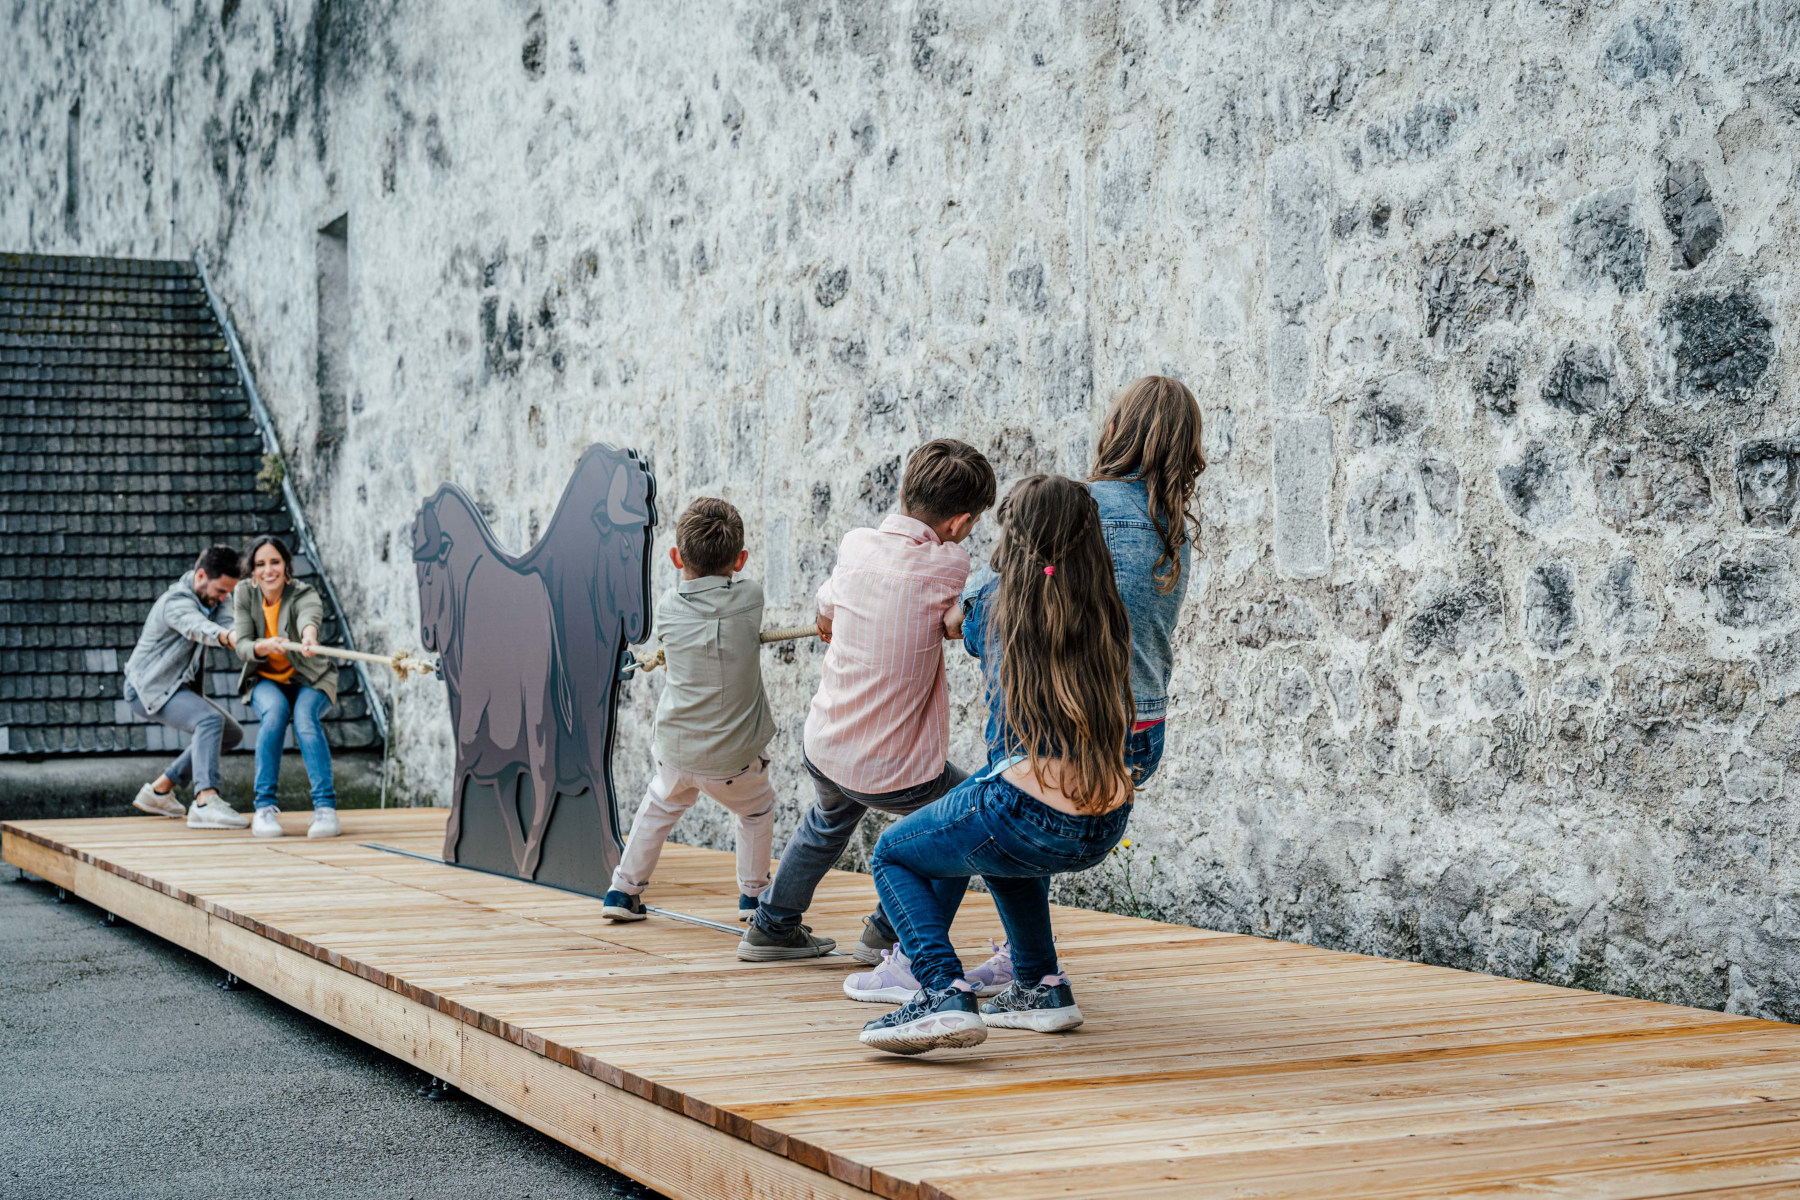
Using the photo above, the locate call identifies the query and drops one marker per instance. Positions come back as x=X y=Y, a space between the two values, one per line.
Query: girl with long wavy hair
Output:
x=1145 y=470
x=1055 y=647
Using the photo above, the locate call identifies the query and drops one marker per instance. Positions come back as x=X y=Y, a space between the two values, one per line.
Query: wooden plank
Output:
x=1212 y=1063
x=661 y=1149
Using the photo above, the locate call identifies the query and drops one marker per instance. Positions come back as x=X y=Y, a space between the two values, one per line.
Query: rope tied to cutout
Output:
x=649 y=662
x=402 y=662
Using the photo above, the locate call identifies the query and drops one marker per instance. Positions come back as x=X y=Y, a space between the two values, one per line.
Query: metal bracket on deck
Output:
x=111 y=919
x=62 y=897
x=231 y=983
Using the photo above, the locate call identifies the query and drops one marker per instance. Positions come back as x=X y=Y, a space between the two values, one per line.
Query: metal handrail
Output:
x=302 y=531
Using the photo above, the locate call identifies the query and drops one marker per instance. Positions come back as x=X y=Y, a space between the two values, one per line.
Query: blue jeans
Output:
x=275 y=704
x=1143 y=753
x=1015 y=842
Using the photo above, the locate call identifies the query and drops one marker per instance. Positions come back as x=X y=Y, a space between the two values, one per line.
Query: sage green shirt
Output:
x=713 y=718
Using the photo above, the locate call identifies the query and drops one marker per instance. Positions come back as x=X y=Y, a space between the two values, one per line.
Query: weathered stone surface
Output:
x=1500 y=691
x=1469 y=281
x=1643 y=49
x=1498 y=383
x=1536 y=487
x=1452 y=617
x=1268 y=621
x=1382 y=510
x=1439 y=483
x=1650 y=485
x=1768 y=480
x=1360 y=609
x=1301 y=468
x=1551 y=620
x=1720 y=345
x=775 y=247
x=1689 y=212
x=1298 y=212
x=1754 y=589
x=1605 y=242
x=1584 y=380
x=1625 y=611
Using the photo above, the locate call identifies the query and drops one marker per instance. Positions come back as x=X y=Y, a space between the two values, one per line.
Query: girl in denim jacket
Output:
x=1145 y=469
x=1055 y=648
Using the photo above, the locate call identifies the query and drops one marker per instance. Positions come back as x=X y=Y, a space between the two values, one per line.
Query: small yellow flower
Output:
x=1126 y=843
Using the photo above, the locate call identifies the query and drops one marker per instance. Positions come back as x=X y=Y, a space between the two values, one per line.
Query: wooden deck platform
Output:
x=1211 y=1064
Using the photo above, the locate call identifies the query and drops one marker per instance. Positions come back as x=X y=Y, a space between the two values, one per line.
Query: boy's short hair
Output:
x=220 y=562
x=947 y=478
x=710 y=535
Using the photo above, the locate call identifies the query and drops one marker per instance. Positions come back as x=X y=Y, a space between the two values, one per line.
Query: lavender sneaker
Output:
x=890 y=983
x=993 y=976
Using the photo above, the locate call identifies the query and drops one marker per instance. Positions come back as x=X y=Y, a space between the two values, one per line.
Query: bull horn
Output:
x=619 y=509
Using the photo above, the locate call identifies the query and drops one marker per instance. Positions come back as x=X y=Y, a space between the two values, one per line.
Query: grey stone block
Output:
x=1296 y=229
x=1301 y=471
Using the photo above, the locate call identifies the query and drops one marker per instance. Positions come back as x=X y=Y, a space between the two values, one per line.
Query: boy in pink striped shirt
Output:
x=878 y=732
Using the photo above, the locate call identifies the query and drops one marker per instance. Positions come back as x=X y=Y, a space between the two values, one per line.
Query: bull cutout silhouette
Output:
x=530 y=647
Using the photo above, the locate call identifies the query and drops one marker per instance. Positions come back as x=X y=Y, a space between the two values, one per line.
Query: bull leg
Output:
x=453 y=828
x=543 y=786
x=509 y=816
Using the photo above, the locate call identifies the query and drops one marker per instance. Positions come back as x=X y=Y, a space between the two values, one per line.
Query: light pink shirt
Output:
x=880 y=720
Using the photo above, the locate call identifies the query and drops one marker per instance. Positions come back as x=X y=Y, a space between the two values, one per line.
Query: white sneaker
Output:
x=158 y=804
x=266 y=822
x=324 y=823
x=214 y=813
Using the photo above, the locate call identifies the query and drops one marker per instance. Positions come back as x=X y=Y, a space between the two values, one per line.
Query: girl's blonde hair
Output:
x=1152 y=433
x=1065 y=639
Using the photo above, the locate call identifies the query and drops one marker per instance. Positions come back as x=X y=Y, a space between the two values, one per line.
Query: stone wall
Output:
x=1491 y=633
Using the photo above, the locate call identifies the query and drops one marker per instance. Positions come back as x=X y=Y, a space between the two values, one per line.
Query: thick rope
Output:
x=788 y=633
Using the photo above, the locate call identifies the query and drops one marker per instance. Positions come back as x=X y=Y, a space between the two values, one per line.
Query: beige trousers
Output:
x=672 y=792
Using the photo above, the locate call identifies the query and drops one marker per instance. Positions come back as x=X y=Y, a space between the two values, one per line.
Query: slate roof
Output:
x=127 y=444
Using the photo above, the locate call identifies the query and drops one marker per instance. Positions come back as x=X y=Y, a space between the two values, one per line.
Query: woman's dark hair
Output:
x=1152 y=433
x=268 y=539
x=1065 y=639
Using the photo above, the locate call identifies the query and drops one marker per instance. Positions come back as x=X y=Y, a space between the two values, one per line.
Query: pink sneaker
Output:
x=890 y=983
x=996 y=974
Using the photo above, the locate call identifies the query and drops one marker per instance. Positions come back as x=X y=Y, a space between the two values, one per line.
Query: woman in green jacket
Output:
x=268 y=608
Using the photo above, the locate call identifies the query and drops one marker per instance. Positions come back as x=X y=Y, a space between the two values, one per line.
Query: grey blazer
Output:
x=301 y=606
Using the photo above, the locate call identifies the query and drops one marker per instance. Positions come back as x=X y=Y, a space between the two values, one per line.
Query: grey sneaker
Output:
x=873 y=945
x=158 y=804
x=758 y=946
x=214 y=813
x=266 y=823
x=324 y=823
x=931 y=1019
x=1046 y=1008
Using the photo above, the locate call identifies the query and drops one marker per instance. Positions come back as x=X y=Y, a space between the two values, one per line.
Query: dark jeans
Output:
x=1143 y=753
x=824 y=832
x=1015 y=842
x=190 y=712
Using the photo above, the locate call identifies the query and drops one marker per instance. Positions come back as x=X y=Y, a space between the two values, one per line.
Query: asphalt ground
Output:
x=126 y=1071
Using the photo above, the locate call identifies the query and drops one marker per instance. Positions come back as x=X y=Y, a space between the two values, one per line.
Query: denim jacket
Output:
x=1132 y=538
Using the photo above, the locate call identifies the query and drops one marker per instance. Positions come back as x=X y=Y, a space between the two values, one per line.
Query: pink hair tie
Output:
x=1049 y=570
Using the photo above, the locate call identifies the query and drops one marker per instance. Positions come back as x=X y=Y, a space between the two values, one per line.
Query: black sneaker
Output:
x=876 y=937
x=1045 y=1008
x=946 y=1017
x=746 y=906
x=619 y=907
x=758 y=946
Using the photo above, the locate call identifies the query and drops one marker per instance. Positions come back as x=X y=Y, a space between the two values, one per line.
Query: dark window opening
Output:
x=72 y=193
x=333 y=375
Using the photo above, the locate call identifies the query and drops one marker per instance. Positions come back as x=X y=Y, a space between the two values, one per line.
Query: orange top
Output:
x=278 y=669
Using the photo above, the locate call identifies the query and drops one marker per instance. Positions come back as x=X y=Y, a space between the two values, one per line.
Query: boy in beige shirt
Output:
x=713 y=721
